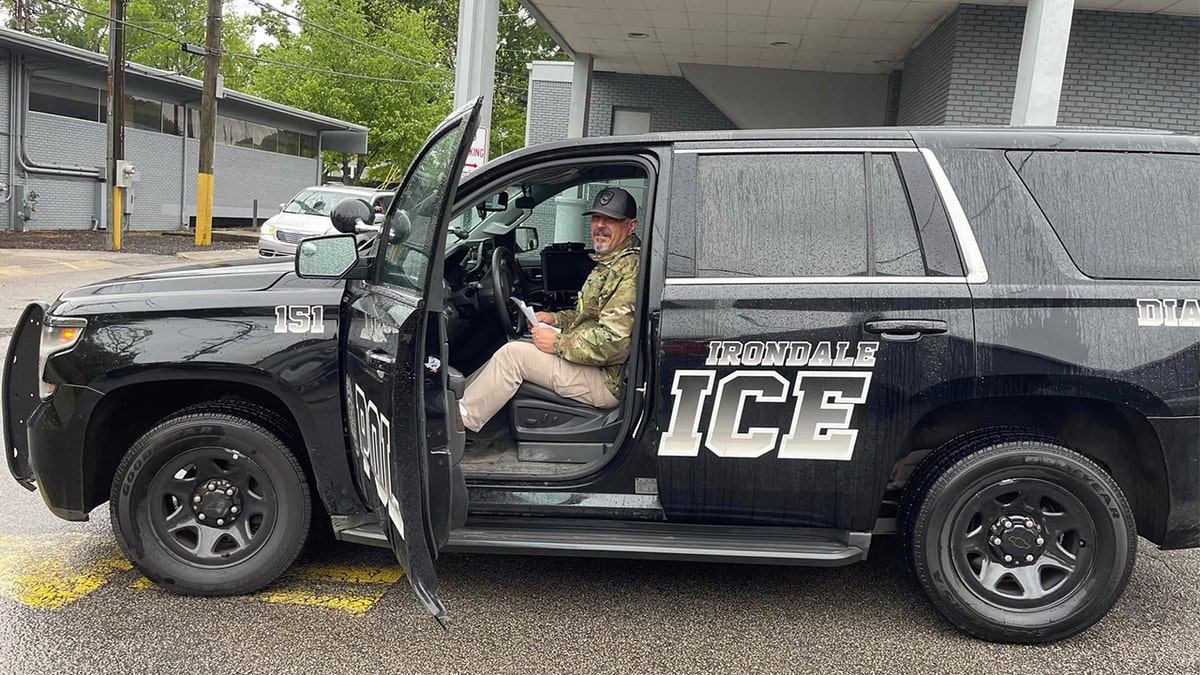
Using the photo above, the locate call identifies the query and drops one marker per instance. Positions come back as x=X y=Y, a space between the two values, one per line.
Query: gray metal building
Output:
x=52 y=154
x=676 y=65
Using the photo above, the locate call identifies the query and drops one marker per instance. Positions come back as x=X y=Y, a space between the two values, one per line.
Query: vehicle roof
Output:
x=349 y=189
x=981 y=137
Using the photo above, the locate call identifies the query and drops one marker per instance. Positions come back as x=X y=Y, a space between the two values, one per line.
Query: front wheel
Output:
x=210 y=503
x=1020 y=540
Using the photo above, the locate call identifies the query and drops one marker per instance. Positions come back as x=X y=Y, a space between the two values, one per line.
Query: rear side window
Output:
x=1120 y=215
x=804 y=215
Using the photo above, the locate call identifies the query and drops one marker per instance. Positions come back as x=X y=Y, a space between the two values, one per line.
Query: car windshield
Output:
x=314 y=202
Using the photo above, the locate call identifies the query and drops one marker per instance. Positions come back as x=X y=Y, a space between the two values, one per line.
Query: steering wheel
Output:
x=506 y=284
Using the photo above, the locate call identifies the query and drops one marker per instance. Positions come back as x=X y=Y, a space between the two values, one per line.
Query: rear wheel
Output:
x=1017 y=538
x=211 y=502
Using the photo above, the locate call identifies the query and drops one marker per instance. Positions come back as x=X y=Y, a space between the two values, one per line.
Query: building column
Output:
x=581 y=96
x=475 y=63
x=1043 y=58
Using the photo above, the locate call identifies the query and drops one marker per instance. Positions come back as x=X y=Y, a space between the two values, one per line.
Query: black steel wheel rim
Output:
x=212 y=506
x=1021 y=543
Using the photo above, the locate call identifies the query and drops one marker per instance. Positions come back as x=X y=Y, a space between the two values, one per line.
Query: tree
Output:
x=385 y=86
x=180 y=20
x=519 y=41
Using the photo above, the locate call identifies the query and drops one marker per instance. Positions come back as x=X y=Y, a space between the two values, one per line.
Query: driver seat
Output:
x=551 y=428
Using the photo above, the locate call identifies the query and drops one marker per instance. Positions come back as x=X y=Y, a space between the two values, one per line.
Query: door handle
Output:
x=378 y=359
x=905 y=330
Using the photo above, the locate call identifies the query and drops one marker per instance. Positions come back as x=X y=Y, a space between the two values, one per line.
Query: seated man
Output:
x=584 y=361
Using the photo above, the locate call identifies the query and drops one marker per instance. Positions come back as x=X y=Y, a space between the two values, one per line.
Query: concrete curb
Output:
x=219 y=235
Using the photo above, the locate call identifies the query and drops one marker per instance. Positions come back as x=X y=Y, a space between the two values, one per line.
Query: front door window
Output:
x=408 y=242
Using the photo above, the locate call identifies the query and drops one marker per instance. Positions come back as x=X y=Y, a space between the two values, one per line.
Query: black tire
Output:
x=1016 y=538
x=245 y=477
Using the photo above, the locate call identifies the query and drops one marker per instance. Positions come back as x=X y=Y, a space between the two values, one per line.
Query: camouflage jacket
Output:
x=597 y=332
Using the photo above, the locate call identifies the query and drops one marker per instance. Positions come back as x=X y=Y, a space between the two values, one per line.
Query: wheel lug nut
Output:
x=196 y=499
x=996 y=541
x=1008 y=558
x=234 y=509
x=229 y=492
x=1040 y=541
x=221 y=521
x=1008 y=525
x=1028 y=558
x=201 y=516
x=212 y=486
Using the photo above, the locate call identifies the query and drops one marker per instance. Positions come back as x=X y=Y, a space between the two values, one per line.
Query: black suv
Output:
x=986 y=341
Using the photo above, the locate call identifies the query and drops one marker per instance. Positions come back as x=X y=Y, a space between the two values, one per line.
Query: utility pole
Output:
x=116 y=117
x=208 y=125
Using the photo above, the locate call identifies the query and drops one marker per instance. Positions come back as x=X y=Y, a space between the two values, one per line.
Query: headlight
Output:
x=268 y=229
x=59 y=334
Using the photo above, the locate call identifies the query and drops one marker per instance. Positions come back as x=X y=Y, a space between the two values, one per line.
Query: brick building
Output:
x=53 y=156
x=671 y=65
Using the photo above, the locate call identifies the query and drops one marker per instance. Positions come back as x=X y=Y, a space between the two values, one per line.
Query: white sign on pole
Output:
x=478 y=153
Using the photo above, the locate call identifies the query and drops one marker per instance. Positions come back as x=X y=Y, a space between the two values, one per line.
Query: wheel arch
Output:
x=126 y=412
x=1116 y=436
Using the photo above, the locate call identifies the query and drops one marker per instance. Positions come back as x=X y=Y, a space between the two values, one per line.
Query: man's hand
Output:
x=543 y=339
x=545 y=317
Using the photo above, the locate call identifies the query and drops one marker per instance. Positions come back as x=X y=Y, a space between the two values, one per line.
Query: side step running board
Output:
x=649 y=540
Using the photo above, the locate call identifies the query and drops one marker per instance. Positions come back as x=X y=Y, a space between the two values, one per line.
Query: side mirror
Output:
x=328 y=257
x=282 y=205
x=494 y=204
x=526 y=238
x=349 y=213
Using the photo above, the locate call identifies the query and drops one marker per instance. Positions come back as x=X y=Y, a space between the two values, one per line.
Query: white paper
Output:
x=531 y=317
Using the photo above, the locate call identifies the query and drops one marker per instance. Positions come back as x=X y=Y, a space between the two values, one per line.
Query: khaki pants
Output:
x=490 y=387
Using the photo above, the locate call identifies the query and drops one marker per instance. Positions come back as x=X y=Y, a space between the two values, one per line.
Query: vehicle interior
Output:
x=529 y=240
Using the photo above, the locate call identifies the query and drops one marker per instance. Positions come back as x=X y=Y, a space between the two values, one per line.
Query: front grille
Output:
x=291 y=237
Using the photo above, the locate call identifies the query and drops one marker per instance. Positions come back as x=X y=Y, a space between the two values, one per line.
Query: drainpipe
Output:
x=19 y=107
x=183 y=174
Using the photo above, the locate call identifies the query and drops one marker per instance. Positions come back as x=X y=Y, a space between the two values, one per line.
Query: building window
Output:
x=628 y=122
x=308 y=146
x=143 y=113
x=65 y=99
x=244 y=134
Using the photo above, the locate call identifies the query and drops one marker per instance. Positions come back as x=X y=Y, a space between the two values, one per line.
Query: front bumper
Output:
x=269 y=246
x=45 y=440
x=19 y=392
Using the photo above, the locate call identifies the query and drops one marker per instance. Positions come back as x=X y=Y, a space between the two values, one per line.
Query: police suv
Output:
x=986 y=341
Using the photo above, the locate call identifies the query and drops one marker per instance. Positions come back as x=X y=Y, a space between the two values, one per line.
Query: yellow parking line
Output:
x=85 y=265
x=354 y=604
x=351 y=589
x=13 y=271
x=48 y=573
x=348 y=575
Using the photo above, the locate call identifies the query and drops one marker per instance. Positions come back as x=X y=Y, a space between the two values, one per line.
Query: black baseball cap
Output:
x=614 y=203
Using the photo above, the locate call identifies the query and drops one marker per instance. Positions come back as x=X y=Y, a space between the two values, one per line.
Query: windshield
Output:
x=314 y=202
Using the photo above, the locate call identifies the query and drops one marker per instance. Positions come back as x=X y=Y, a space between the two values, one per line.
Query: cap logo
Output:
x=604 y=198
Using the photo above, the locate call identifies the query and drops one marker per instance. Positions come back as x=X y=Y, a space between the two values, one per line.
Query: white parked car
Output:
x=307 y=215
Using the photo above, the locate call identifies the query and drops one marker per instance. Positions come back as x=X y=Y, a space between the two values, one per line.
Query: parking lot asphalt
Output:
x=69 y=602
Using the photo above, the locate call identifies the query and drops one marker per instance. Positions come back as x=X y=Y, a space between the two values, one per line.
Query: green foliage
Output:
x=519 y=41
x=181 y=20
x=400 y=114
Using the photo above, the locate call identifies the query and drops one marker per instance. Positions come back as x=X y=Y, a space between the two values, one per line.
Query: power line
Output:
x=106 y=17
x=313 y=69
x=356 y=41
x=260 y=59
